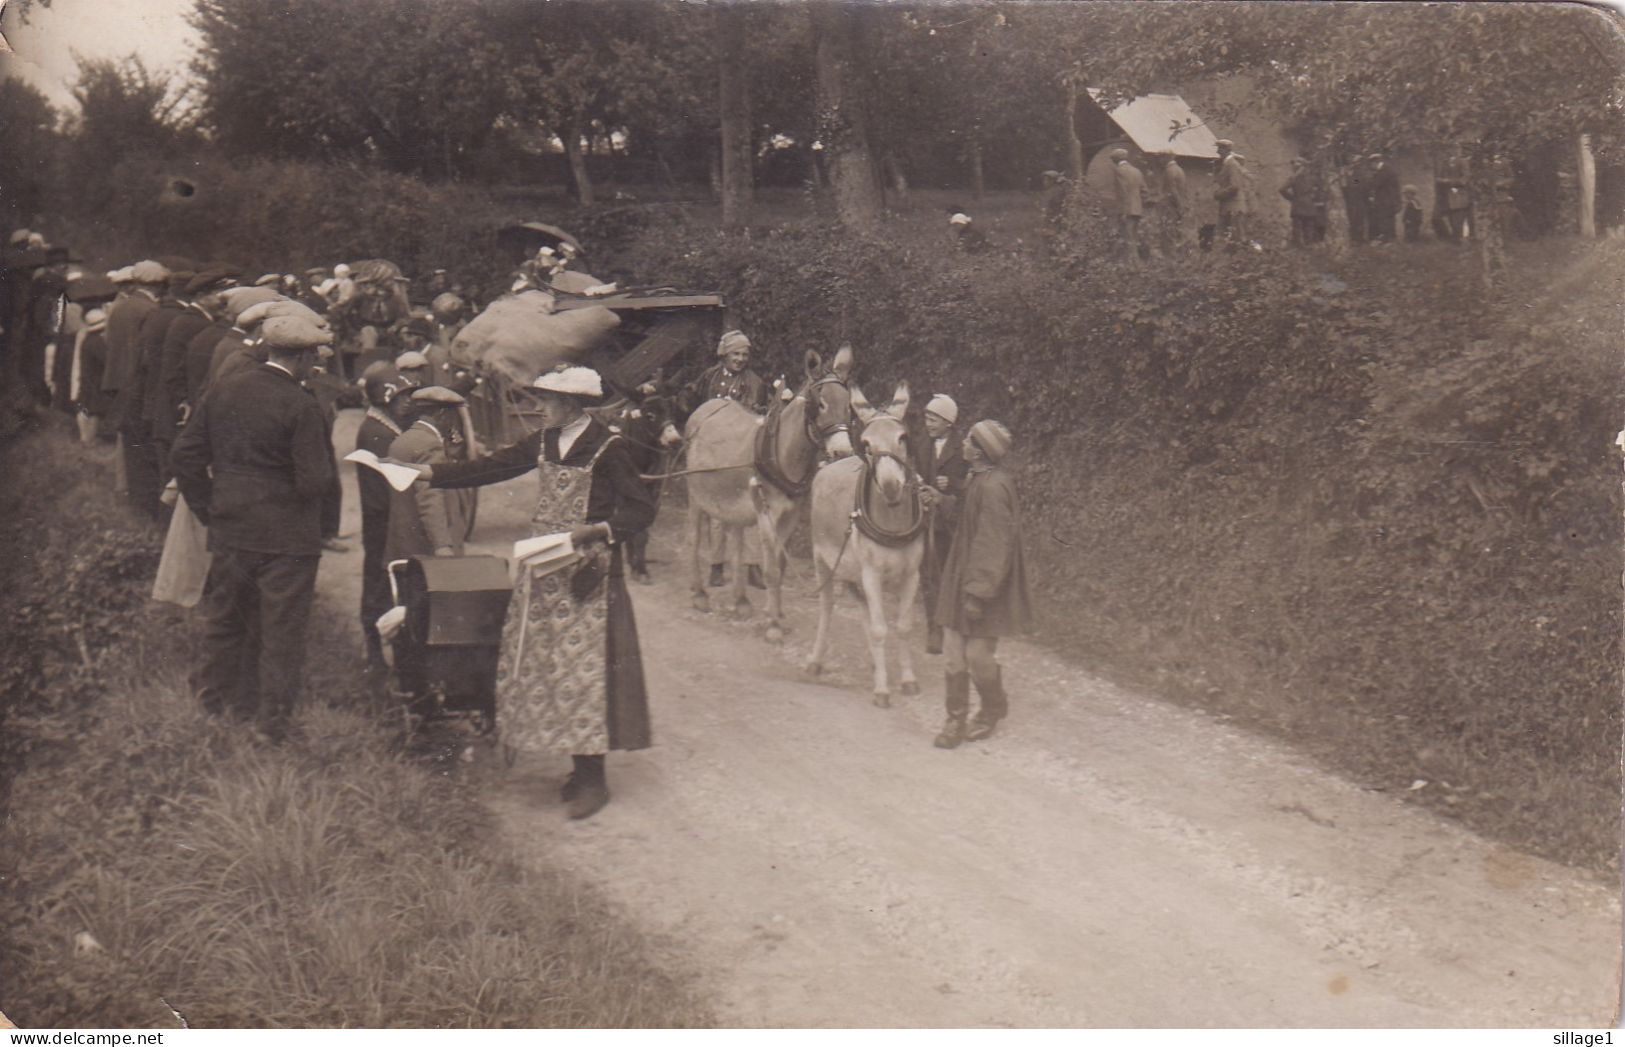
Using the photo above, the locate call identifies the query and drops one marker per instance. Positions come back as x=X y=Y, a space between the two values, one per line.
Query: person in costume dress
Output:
x=570 y=679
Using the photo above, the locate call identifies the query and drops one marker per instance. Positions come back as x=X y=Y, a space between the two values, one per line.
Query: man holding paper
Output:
x=571 y=676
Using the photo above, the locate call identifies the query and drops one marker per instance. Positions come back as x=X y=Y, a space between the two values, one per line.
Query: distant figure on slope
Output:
x=1130 y=187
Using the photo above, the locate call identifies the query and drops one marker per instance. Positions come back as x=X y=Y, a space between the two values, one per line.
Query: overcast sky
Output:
x=156 y=30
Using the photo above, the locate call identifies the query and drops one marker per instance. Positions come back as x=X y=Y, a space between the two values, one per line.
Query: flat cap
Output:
x=269 y=280
x=437 y=394
x=1224 y=143
x=293 y=334
x=149 y=272
x=213 y=280
x=240 y=299
x=411 y=359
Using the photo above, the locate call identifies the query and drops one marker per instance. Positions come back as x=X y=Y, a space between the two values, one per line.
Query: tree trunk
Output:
x=842 y=124
x=1074 y=143
x=733 y=88
x=978 y=176
x=578 y=167
x=1588 y=189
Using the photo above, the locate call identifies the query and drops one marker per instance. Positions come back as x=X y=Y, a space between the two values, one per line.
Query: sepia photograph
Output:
x=811 y=514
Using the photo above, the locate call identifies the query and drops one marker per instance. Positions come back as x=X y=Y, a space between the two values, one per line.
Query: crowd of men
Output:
x=1153 y=211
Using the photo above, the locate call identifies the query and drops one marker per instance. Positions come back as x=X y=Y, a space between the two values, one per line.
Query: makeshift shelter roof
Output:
x=1163 y=124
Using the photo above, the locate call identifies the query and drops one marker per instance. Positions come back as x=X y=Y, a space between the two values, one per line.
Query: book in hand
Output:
x=399 y=476
x=546 y=552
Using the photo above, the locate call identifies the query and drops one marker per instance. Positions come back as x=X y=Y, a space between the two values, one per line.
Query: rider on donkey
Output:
x=730 y=379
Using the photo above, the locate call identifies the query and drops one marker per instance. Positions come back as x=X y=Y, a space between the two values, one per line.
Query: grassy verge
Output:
x=160 y=863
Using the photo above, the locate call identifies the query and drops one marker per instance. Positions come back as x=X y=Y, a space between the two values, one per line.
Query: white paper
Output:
x=399 y=476
x=543 y=549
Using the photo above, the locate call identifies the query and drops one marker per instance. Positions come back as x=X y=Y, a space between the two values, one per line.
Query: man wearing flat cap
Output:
x=254 y=463
x=983 y=593
x=571 y=677
x=182 y=376
x=426 y=521
x=731 y=378
x=240 y=349
x=939 y=459
x=152 y=341
x=120 y=383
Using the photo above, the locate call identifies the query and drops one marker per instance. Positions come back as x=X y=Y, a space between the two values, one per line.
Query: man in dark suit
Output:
x=940 y=461
x=120 y=383
x=254 y=463
x=156 y=411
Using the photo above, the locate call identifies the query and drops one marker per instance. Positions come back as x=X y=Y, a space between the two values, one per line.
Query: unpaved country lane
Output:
x=1106 y=860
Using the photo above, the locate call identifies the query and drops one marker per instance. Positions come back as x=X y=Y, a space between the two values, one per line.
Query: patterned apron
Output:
x=552 y=693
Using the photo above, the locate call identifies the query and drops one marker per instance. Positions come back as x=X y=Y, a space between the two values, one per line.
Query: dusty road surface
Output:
x=1105 y=860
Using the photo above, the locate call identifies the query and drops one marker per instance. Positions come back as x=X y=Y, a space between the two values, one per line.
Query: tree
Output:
x=28 y=126
x=843 y=119
x=417 y=87
x=733 y=105
x=585 y=67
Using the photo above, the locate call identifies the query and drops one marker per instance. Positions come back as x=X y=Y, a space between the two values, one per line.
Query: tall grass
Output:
x=330 y=882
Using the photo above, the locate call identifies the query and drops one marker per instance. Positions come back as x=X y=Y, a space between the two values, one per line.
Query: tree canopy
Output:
x=946 y=94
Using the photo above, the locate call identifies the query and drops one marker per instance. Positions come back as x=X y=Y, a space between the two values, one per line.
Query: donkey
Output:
x=745 y=469
x=869 y=527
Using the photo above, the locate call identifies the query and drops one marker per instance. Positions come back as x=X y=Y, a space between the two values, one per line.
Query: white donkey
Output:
x=868 y=527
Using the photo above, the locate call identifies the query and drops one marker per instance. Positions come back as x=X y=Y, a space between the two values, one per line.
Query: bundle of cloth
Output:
x=522 y=335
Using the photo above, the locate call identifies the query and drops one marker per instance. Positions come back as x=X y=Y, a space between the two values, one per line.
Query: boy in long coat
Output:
x=983 y=593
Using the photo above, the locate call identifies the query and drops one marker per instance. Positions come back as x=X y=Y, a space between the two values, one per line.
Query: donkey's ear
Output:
x=813 y=363
x=861 y=405
x=899 y=401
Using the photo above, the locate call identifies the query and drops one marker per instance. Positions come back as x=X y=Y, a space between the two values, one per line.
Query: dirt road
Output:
x=1105 y=860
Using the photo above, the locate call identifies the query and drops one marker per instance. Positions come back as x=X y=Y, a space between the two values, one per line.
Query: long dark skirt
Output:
x=628 y=711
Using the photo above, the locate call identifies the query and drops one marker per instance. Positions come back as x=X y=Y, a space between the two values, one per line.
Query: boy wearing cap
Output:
x=425 y=521
x=940 y=461
x=388 y=412
x=983 y=593
x=254 y=463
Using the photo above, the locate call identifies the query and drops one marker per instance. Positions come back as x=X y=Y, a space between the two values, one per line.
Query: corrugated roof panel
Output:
x=1164 y=124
